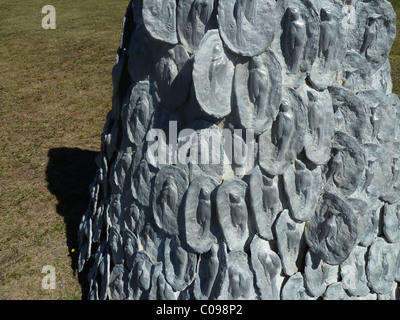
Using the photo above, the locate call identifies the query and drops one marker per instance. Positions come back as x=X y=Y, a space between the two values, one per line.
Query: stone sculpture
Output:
x=252 y=152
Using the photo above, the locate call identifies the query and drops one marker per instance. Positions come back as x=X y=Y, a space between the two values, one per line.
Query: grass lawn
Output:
x=55 y=92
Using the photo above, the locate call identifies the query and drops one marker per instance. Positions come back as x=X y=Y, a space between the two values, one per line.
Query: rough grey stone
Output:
x=375 y=31
x=173 y=76
x=332 y=233
x=284 y=139
x=299 y=39
x=331 y=45
x=179 y=264
x=160 y=289
x=294 y=289
x=116 y=246
x=368 y=216
x=380 y=110
x=257 y=90
x=381 y=266
x=140 y=276
x=84 y=240
x=321 y=125
x=394 y=293
x=199 y=213
x=232 y=213
x=267 y=266
x=350 y=113
x=336 y=292
x=264 y=202
x=194 y=19
x=201 y=150
x=100 y=276
x=240 y=277
x=131 y=247
x=290 y=242
x=318 y=274
x=159 y=17
x=169 y=187
x=247 y=27
x=397 y=248
x=152 y=239
x=378 y=171
x=353 y=272
x=138 y=112
x=118 y=287
x=356 y=73
x=391 y=222
x=142 y=183
x=381 y=80
x=252 y=152
x=346 y=167
x=212 y=272
x=213 y=72
x=303 y=187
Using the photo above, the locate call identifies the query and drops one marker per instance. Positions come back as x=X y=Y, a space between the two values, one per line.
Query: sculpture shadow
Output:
x=69 y=173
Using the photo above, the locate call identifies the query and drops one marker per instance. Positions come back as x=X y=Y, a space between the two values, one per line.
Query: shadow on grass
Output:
x=69 y=174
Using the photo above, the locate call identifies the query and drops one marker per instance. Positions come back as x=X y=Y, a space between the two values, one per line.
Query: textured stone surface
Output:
x=212 y=76
x=332 y=231
x=247 y=27
x=252 y=152
x=257 y=91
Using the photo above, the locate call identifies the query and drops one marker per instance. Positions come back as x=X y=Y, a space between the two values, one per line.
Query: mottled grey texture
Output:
x=257 y=91
x=332 y=232
x=247 y=26
x=232 y=213
x=283 y=139
x=212 y=76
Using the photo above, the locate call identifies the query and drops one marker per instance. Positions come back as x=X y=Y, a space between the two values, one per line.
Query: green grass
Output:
x=55 y=91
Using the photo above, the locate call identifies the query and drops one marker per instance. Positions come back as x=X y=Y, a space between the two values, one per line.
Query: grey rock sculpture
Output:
x=240 y=280
x=381 y=267
x=247 y=27
x=294 y=289
x=257 y=91
x=299 y=35
x=353 y=272
x=391 y=223
x=318 y=274
x=267 y=266
x=200 y=214
x=169 y=187
x=252 y=152
x=194 y=19
x=283 y=140
x=232 y=213
x=264 y=202
x=212 y=76
x=302 y=187
x=159 y=18
x=212 y=273
x=332 y=231
x=289 y=236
